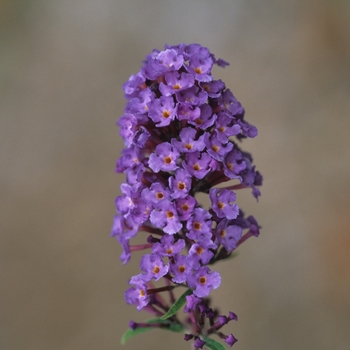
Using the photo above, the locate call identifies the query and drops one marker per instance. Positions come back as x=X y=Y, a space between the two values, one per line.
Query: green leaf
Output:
x=213 y=344
x=173 y=327
x=179 y=303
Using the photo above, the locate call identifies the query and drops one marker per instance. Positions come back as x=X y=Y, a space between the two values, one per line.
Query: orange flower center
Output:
x=196 y=167
x=169 y=214
x=166 y=114
x=181 y=185
x=160 y=195
x=181 y=268
x=199 y=250
x=223 y=233
x=185 y=207
x=167 y=160
x=215 y=148
x=197 y=225
x=202 y=280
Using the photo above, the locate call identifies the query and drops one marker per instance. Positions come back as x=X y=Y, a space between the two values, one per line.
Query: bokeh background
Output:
x=62 y=65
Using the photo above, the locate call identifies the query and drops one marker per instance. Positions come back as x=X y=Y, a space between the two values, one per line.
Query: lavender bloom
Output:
x=165 y=158
x=137 y=295
x=155 y=194
x=166 y=217
x=230 y=340
x=153 y=266
x=228 y=235
x=199 y=225
x=216 y=148
x=200 y=65
x=191 y=303
x=201 y=253
x=180 y=129
x=180 y=184
x=203 y=281
x=185 y=207
x=223 y=129
x=180 y=267
x=194 y=96
x=188 y=143
x=167 y=247
x=162 y=111
x=197 y=164
x=206 y=119
x=213 y=88
x=175 y=82
x=223 y=203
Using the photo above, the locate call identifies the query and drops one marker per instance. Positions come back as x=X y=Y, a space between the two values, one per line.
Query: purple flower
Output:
x=155 y=194
x=137 y=295
x=180 y=267
x=167 y=247
x=223 y=129
x=199 y=343
x=223 y=203
x=213 y=88
x=127 y=125
x=140 y=104
x=175 y=82
x=153 y=266
x=230 y=339
x=197 y=164
x=227 y=234
x=216 y=148
x=200 y=252
x=203 y=281
x=191 y=303
x=162 y=111
x=199 y=225
x=166 y=217
x=194 y=96
x=230 y=103
x=165 y=158
x=234 y=164
x=141 y=137
x=124 y=226
x=133 y=86
x=128 y=159
x=206 y=118
x=160 y=62
x=126 y=255
x=200 y=65
x=180 y=184
x=188 y=143
x=187 y=111
x=185 y=207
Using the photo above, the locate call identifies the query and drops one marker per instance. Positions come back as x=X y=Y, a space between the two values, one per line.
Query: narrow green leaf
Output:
x=173 y=327
x=179 y=303
x=213 y=344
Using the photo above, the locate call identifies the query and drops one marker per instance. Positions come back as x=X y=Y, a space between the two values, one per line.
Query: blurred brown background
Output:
x=62 y=67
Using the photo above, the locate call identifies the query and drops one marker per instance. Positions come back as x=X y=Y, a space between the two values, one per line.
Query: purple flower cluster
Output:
x=178 y=128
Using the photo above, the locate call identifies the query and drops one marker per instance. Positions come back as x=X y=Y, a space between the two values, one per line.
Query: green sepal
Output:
x=179 y=303
x=173 y=327
x=213 y=344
